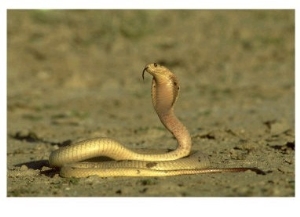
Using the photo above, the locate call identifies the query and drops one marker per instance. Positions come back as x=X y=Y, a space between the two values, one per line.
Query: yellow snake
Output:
x=165 y=89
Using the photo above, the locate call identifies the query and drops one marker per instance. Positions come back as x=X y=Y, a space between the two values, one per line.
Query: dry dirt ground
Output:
x=74 y=75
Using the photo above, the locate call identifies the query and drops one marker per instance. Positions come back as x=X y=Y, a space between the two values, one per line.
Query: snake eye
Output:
x=155 y=64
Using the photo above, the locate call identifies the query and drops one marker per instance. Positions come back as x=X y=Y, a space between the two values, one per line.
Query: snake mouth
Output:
x=145 y=69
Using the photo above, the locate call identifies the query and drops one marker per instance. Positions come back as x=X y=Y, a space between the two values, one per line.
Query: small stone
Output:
x=23 y=168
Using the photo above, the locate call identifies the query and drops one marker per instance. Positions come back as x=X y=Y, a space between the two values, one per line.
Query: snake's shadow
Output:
x=38 y=165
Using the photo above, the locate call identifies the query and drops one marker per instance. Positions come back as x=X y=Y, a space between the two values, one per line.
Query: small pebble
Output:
x=23 y=168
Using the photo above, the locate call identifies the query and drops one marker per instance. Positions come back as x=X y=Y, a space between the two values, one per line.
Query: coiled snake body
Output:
x=165 y=89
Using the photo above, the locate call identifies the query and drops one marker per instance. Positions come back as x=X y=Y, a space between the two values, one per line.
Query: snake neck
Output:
x=180 y=132
x=164 y=96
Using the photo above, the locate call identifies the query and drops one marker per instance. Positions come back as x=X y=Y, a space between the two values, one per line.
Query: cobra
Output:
x=73 y=159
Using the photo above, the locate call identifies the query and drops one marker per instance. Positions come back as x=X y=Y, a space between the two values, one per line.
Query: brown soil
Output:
x=74 y=75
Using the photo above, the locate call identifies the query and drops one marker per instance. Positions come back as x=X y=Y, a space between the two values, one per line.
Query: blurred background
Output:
x=218 y=55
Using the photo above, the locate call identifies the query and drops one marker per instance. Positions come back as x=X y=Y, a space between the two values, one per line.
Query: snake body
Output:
x=165 y=89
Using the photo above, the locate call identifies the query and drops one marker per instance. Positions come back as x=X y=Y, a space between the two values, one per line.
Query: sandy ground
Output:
x=74 y=75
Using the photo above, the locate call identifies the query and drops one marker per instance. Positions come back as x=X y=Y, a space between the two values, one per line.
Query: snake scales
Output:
x=165 y=89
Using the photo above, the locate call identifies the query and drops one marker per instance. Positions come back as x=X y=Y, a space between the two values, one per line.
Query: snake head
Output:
x=149 y=66
x=161 y=75
x=158 y=71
